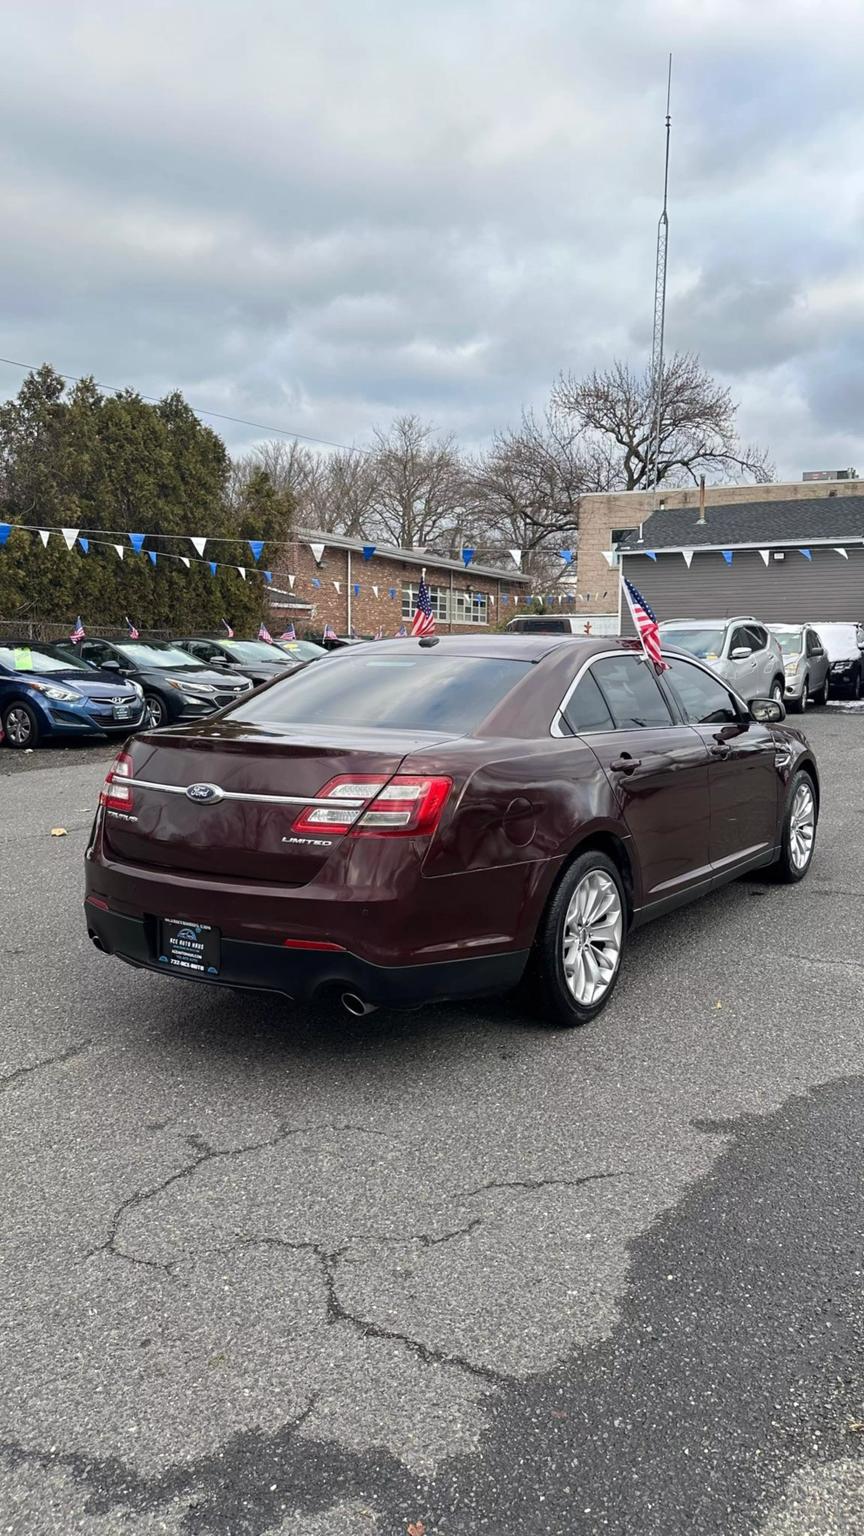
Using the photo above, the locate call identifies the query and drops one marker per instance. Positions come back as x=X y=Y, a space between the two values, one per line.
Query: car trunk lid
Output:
x=247 y=838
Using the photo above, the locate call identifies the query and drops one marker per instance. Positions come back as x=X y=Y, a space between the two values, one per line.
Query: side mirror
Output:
x=767 y=711
x=110 y=665
x=740 y=653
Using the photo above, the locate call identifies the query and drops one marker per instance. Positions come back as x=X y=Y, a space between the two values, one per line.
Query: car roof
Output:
x=503 y=647
x=735 y=618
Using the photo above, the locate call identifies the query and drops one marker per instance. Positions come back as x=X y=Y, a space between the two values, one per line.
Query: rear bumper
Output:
x=301 y=974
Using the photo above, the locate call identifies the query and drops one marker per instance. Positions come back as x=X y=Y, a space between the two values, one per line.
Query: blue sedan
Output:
x=43 y=693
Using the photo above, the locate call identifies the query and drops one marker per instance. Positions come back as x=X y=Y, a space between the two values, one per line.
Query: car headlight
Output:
x=62 y=695
x=192 y=690
x=136 y=687
x=791 y=668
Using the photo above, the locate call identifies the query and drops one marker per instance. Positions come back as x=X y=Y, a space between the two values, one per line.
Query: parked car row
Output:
x=793 y=663
x=116 y=687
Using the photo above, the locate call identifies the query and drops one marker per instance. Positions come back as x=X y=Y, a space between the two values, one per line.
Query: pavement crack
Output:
x=204 y=1153
x=69 y=1054
x=426 y=1241
x=588 y=1178
x=336 y=1313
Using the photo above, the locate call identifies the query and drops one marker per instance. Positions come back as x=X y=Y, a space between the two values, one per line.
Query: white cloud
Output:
x=320 y=215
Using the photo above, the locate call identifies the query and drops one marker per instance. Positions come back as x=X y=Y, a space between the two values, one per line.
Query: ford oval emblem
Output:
x=204 y=794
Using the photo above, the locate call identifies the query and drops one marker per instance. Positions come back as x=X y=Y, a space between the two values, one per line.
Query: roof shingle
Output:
x=751 y=523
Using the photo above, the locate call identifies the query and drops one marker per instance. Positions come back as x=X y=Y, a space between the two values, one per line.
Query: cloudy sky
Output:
x=318 y=215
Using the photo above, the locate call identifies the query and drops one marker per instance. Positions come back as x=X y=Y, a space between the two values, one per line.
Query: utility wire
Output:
x=239 y=421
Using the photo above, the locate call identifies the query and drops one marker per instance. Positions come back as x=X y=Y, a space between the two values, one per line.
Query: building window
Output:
x=616 y=537
x=467 y=607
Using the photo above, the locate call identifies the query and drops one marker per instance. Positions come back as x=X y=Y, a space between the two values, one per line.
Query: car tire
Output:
x=799 y=705
x=21 y=726
x=778 y=690
x=856 y=686
x=157 y=711
x=571 y=974
x=820 y=697
x=802 y=813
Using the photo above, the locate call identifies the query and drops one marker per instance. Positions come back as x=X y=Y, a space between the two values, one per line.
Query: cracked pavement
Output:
x=272 y=1272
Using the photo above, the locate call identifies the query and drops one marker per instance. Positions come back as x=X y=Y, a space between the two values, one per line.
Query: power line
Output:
x=239 y=421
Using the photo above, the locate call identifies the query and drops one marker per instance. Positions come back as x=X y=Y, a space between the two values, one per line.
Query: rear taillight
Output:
x=117 y=795
x=409 y=805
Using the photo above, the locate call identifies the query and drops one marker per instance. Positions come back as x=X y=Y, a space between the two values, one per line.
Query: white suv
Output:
x=742 y=651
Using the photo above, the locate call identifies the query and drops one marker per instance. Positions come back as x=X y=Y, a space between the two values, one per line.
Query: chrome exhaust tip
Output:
x=356 y=1006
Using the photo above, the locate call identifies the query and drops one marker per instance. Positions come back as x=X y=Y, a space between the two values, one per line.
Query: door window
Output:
x=758 y=637
x=586 y=709
x=631 y=693
x=813 y=646
x=95 y=651
x=742 y=640
x=703 y=699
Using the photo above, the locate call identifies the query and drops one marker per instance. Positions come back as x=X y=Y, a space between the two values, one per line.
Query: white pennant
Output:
x=44 y=534
x=688 y=556
x=242 y=570
x=841 y=552
x=491 y=600
x=187 y=562
x=317 y=551
x=517 y=557
x=766 y=555
x=608 y=555
x=338 y=586
x=119 y=549
x=291 y=581
x=70 y=535
x=375 y=591
x=199 y=545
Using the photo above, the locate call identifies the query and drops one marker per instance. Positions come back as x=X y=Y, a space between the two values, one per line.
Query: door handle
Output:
x=625 y=763
x=720 y=751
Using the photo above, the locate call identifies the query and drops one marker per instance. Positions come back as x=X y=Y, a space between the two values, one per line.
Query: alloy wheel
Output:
x=592 y=937
x=802 y=826
x=19 y=726
x=156 y=711
x=777 y=693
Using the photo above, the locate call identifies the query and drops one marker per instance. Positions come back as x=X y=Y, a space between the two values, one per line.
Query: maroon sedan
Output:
x=441 y=818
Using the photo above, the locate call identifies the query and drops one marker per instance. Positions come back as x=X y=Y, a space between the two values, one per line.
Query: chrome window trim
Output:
x=231 y=794
x=555 y=728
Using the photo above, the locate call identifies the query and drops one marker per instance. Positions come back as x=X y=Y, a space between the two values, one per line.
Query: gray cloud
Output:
x=318 y=216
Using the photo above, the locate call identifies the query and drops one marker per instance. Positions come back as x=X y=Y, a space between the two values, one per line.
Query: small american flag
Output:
x=227 y=628
x=264 y=634
x=77 y=631
x=133 y=633
x=646 y=625
x=424 y=618
x=329 y=632
x=401 y=633
x=289 y=633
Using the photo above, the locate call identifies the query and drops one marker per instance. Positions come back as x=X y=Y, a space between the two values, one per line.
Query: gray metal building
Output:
x=782 y=561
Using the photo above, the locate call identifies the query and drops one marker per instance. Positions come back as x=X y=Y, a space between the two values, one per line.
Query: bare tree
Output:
x=526 y=489
x=613 y=411
x=419 y=485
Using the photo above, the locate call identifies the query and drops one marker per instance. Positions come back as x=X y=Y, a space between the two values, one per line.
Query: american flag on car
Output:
x=424 y=618
x=646 y=625
x=77 y=631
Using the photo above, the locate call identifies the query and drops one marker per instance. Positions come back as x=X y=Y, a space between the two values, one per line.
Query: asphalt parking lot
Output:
x=439 y=1273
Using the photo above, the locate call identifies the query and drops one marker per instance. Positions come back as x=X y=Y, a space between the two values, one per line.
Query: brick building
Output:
x=350 y=591
x=606 y=518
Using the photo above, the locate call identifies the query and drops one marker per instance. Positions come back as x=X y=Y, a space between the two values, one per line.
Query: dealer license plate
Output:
x=122 y=711
x=192 y=947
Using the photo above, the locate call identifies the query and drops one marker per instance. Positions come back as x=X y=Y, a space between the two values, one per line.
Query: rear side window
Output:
x=422 y=692
x=631 y=692
x=587 y=710
x=703 y=699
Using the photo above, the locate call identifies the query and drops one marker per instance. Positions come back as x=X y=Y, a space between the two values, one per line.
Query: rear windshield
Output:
x=423 y=692
x=252 y=651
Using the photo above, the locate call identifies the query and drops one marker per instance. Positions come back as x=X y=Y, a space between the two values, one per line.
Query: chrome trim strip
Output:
x=229 y=794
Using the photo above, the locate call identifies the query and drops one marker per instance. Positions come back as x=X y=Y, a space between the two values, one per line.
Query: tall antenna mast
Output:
x=660 y=299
